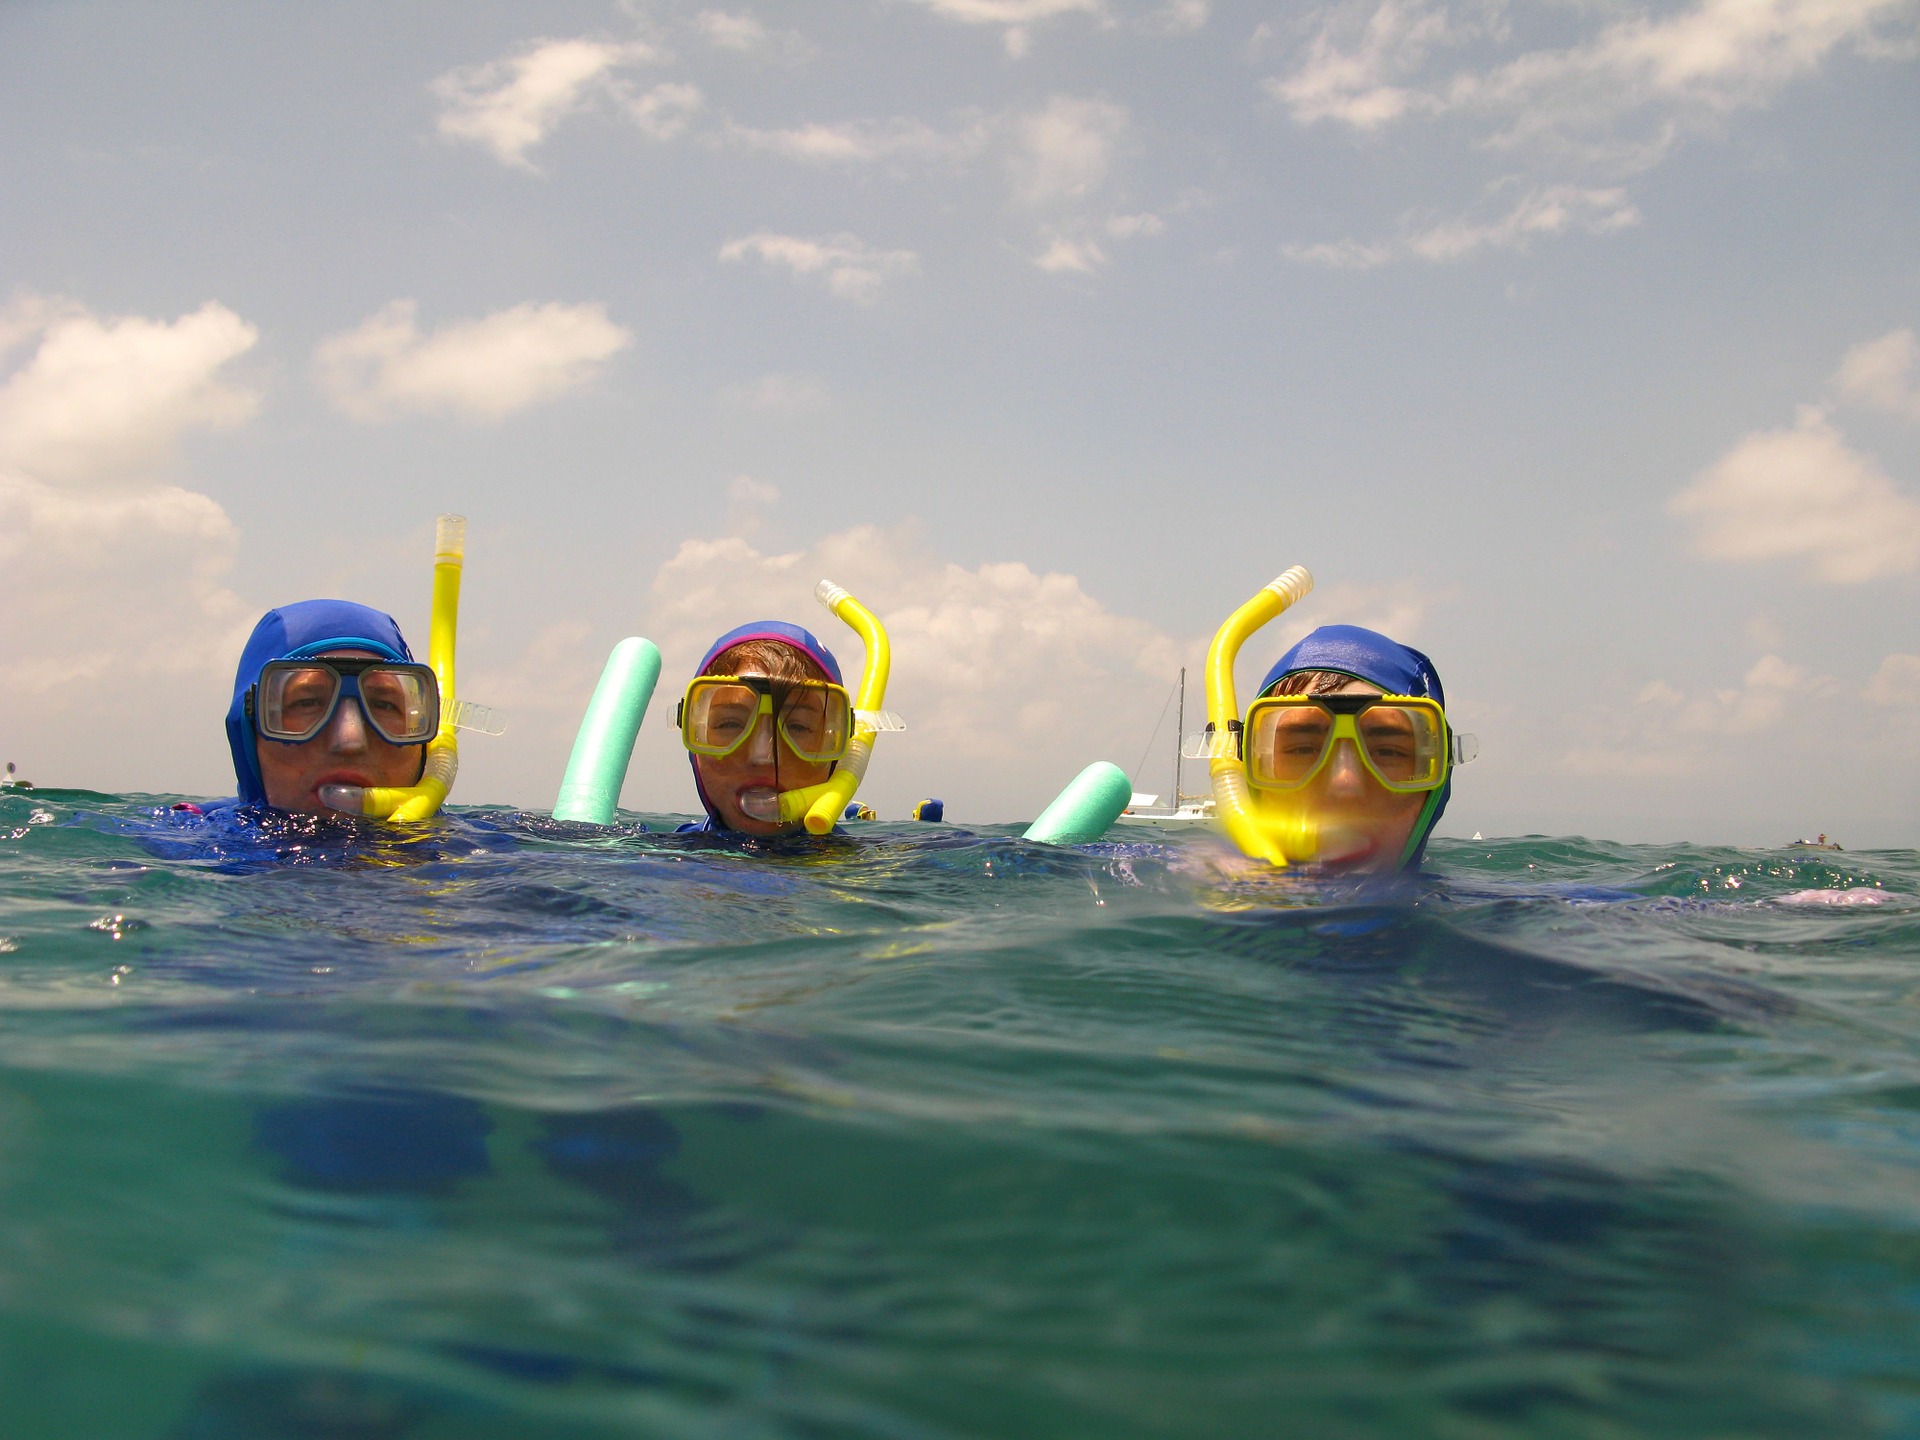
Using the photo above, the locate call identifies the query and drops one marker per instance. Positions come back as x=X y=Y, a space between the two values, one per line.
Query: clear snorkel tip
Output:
x=450 y=540
x=348 y=799
x=830 y=595
x=762 y=803
x=1292 y=585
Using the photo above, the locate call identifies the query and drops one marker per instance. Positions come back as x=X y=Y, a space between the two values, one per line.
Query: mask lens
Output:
x=400 y=703
x=296 y=701
x=816 y=721
x=1287 y=743
x=1404 y=744
x=720 y=715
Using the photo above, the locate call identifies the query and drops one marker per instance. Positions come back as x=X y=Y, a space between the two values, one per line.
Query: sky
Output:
x=1574 y=343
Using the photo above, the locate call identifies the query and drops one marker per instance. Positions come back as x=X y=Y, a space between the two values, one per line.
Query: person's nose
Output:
x=760 y=747
x=1346 y=775
x=347 y=731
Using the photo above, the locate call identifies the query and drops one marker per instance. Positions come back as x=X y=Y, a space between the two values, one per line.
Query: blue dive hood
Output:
x=294 y=632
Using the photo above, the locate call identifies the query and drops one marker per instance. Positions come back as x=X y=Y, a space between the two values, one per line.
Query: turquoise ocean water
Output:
x=508 y=1127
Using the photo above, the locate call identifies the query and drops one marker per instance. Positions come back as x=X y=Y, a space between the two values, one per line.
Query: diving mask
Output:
x=720 y=713
x=1403 y=740
x=294 y=700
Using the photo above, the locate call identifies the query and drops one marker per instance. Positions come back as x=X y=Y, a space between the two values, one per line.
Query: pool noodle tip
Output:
x=1084 y=810
x=590 y=789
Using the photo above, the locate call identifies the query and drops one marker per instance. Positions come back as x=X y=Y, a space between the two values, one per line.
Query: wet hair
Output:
x=1312 y=682
x=771 y=658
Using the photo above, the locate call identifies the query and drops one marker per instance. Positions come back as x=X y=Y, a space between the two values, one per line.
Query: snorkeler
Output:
x=775 y=740
x=1345 y=759
x=1354 y=725
x=328 y=694
x=391 y=753
x=766 y=715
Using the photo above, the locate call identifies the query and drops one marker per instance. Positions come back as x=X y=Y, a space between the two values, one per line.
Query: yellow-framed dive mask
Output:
x=720 y=713
x=1402 y=740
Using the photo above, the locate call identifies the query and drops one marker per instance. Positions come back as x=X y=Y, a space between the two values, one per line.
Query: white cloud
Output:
x=1065 y=150
x=1668 y=731
x=1367 y=67
x=477 y=369
x=731 y=32
x=107 y=396
x=666 y=110
x=1016 y=16
x=1065 y=256
x=1125 y=227
x=1183 y=17
x=1896 y=683
x=748 y=501
x=510 y=105
x=1353 y=77
x=1010 y=680
x=1882 y=373
x=1345 y=254
x=112 y=583
x=1009 y=12
x=1548 y=211
x=862 y=142
x=779 y=394
x=1802 y=493
x=851 y=268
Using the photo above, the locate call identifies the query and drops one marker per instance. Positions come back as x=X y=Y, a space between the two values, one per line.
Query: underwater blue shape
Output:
x=411 y=1142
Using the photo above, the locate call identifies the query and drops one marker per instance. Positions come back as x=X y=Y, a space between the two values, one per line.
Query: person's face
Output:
x=348 y=752
x=1362 y=824
x=752 y=777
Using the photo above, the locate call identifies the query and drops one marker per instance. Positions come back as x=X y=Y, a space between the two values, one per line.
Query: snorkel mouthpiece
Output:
x=1272 y=829
x=422 y=801
x=821 y=805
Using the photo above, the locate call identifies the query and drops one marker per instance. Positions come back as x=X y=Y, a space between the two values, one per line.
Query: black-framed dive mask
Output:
x=294 y=700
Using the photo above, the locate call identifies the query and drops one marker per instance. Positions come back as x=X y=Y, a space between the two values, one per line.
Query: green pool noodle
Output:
x=598 y=767
x=1083 y=811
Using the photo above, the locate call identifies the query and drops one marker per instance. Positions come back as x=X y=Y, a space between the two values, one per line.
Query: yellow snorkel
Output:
x=421 y=801
x=1266 y=827
x=821 y=805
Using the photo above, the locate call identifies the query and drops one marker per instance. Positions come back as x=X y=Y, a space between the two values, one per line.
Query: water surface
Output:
x=508 y=1127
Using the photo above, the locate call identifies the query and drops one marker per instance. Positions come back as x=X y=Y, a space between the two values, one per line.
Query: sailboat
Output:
x=1186 y=809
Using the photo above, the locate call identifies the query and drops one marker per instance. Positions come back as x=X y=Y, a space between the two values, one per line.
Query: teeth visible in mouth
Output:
x=762 y=802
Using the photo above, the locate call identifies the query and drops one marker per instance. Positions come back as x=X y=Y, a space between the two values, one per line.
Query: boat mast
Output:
x=1179 y=732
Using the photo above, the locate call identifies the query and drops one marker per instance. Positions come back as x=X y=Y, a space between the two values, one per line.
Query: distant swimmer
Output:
x=930 y=810
x=12 y=780
x=327 y=693
x=859 y=811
